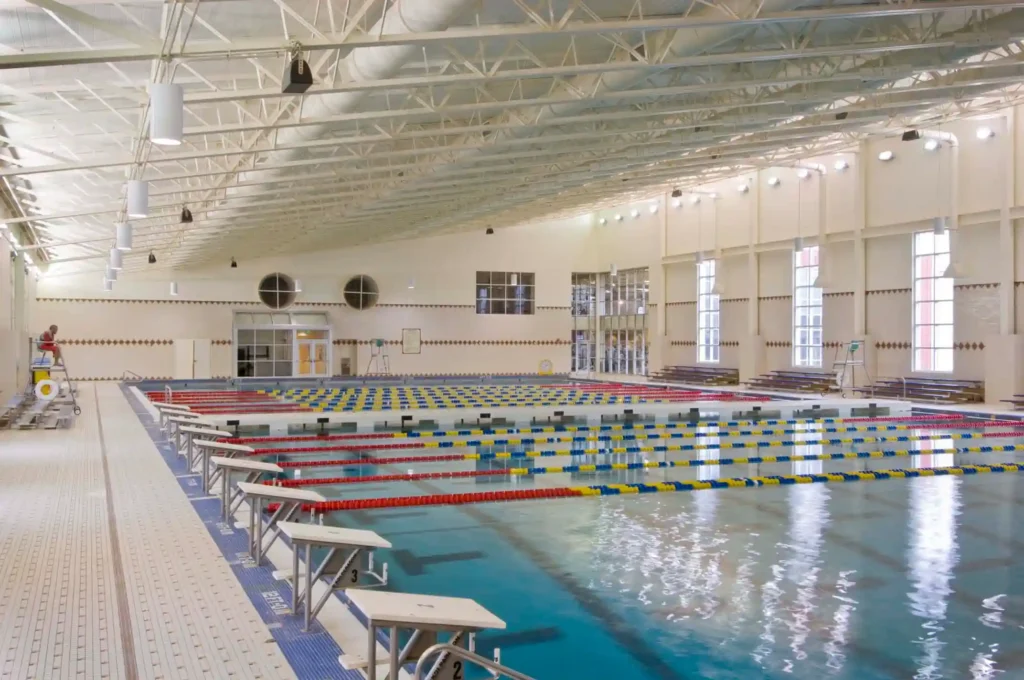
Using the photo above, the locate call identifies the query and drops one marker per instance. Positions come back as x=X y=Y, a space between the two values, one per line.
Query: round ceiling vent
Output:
x=361 y=292
x=277 y=290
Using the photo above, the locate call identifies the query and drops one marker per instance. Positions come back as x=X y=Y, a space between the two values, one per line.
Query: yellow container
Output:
x=40 y=374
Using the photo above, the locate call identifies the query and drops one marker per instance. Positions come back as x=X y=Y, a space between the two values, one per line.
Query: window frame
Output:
x=807 y=298
x=709 y=314
x=496 y=294
x=930 y=255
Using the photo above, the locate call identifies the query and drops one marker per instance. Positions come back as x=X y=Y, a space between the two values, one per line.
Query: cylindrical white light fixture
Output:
x=116 y=262
x=694 y=199
x=108 y=285
x=773 y=181
x=618 y=217
x=841 y=164
x=653 y=208
x=166 y=111
x=886 y=156
x=602 y=221
x=514 y=279
x=931 y=145
x=798 y=244
x=676 y=203
x=138 y=198
x=635 y=213
x=743 y=188
x=124 y=236
x=614 y=270
x=298 y=285
x=412 y=284
x=985 y=132
x=111 y=274
x=174 y=288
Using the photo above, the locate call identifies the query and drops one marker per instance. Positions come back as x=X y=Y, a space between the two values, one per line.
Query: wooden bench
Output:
x=698 y=375
x=794 y=381
x=944 y=390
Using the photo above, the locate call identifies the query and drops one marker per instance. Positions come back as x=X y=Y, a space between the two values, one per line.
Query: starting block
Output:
x=208 y=448
x=193 y=434
x=290 y=502
x=340 y=567
x=253 y=469
x=175 y=422
x=166 y=410
x=424 y=616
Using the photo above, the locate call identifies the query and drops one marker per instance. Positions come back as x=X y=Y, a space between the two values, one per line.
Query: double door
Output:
x=313 y=359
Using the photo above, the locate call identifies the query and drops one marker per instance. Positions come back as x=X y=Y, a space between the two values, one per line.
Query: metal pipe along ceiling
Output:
x=371 y=63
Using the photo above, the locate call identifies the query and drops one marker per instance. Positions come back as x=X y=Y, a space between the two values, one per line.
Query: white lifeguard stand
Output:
x=379 y=364
x=847 y=364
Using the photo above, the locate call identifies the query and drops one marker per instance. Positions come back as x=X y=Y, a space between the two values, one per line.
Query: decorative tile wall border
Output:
x=775 y=297
x=681 y=304
x=349 y=341
x=297 y=307
x=974 y=286
x=109 y=341
x=887 y=291
x=737 y=299
x=684 y=343
x=779 y=343
x=845 y=293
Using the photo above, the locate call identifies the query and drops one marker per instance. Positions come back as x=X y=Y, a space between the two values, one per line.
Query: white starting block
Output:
x=166 y=410
x=340 y=566
x=209 y=447
x=289 y=500
x=192 y=434
x=425 y=616
x=176 y=421
x=253 y=470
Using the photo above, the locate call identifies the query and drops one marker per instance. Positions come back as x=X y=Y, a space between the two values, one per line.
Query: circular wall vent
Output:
x=277 y=290
x=361 y=292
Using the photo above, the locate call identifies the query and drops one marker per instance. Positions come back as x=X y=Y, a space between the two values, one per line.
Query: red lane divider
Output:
x=310 y=438
x=390 y=478
x=440 y=499
x=371 y=461
x=319 y=449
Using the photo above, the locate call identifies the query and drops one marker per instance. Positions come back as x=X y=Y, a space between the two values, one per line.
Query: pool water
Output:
x=912 y=578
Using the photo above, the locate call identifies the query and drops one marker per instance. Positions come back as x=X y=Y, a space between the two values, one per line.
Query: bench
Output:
x=928 y=389
x=794 y=381
x=699 y=375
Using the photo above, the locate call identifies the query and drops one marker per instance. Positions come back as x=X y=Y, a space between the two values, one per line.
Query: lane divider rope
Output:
x=642 y=465
x=622 y=449
x=622 y=489
x=599 y=428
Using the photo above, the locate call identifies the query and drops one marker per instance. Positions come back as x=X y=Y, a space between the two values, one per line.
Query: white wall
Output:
x=133 y=329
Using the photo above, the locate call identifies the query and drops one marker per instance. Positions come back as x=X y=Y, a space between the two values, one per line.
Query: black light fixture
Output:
x=186 y=216
x=234 y=265
x=298 y=77
x=676 y=193
x=489 y=231
x=911 y=136
x=152 y=258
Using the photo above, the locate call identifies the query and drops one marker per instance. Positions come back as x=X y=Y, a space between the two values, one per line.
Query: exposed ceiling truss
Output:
x=431 y=116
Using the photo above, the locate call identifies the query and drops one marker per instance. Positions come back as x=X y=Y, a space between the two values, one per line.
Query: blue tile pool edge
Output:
x=313 y=655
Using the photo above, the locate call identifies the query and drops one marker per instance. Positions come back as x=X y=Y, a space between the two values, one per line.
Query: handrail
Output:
x=133 y=374
x=168 y=394
x=461 y=653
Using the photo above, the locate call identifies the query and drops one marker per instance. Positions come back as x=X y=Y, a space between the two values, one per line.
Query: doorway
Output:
x=312 y=353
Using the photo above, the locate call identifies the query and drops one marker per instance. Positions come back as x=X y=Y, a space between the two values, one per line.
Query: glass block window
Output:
x=933 y=304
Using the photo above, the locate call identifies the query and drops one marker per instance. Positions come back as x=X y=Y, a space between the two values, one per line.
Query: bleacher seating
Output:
x=698 y=375
x=942 y=390
x=794 y=381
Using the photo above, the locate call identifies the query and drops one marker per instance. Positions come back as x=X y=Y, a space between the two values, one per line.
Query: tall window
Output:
x=504 y=293
x=933 y=303
x=708 y=317
x=806 y=309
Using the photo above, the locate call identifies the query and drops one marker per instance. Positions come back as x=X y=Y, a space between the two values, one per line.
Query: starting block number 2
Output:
x=450 y=669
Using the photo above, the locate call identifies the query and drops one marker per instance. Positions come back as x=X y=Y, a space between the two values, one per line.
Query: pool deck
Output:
x=106 y=570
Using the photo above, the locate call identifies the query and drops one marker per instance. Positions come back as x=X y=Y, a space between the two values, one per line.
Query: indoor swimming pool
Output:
x=901 y=578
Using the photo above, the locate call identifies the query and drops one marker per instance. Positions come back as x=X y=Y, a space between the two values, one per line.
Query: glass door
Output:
x=311 y=352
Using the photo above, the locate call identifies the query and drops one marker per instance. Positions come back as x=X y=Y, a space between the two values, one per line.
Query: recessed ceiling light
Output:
x=886 y=155
x=985 y=132
x=773 y=181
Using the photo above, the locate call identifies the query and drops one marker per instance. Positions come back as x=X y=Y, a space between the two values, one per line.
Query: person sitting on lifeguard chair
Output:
x=48 y=343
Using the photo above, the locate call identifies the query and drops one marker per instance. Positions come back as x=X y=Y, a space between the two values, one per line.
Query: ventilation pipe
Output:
x=363 y=64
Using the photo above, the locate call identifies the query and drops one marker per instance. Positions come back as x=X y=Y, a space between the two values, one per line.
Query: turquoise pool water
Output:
x=916 y=578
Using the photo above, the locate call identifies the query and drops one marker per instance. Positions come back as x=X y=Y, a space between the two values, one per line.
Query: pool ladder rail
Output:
x=456 y=652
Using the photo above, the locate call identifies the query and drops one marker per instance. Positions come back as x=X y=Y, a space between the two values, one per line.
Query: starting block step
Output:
x=353 y=662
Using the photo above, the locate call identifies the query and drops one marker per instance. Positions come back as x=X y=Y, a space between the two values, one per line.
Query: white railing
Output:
x=496 y=669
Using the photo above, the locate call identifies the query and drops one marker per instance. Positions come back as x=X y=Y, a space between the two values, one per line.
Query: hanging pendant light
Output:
x=798 y=244
x=174 y=288
x=111 y=274
x=166 y=110
x=108 y=285
x=138 y=198
x=152 y=258
x=186 y=216
x=820 y=280
x=116 y=261
x=124 y=236
x=298 y=286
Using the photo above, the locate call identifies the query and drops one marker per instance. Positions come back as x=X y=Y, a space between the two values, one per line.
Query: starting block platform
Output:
x=253 y=469
x=210 y=447
x=424 y=616
x=192 y=434
x=290 y=502
x=340 y=567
